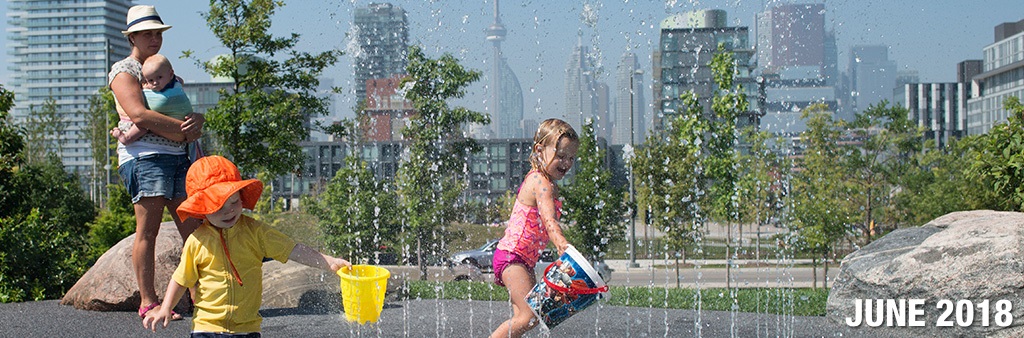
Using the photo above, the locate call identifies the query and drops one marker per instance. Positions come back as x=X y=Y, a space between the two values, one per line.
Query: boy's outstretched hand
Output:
x=338 y=263
x=154 y=317
x=306 y=255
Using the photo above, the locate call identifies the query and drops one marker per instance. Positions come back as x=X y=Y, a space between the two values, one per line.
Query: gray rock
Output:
x=971 y=255
x=293 y=285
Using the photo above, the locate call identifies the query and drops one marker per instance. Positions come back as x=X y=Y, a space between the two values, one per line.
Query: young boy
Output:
x=225 y=254
x=163 y=94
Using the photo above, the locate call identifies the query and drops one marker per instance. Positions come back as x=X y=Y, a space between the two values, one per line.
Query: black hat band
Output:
x=145 y=18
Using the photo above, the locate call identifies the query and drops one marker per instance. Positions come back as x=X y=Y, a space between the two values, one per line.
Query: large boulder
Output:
x=294 y=285
x=971 y=255
x=110 y=284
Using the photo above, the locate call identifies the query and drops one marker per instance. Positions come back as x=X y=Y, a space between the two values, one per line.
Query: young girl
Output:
x=534 y=219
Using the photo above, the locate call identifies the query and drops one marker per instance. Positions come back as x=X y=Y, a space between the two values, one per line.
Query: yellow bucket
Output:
x=362 y=292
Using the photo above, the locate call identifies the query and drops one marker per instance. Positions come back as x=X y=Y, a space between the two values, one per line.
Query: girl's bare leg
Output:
x=519 y=280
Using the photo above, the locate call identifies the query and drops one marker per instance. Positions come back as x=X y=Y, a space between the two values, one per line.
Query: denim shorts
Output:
x=155 y=175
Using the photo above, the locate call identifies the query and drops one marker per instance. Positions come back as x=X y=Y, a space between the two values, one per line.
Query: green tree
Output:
x=259 y=121
x=721 y=157
x=11 y=144
x=998 y=162
x=43 y=216
x=761 y=185
x=49 y=211
x=44 y=132
x=431 y=178
x=356 y=212
x=11 y=154
x=113 y=224
x=937 y=183
x=100 y=117
x=593 y=207
x=502 y=208
x=821 y=212
x=668 y=180
x=888 y=139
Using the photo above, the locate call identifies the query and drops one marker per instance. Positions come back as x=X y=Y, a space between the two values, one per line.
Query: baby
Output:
x=163 y=94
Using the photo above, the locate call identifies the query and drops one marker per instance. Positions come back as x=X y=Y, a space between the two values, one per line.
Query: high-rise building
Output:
x=581 y=99
x=792 y=36
x=602 y=112
x=872 y=77
x=796 y=58
x=506 y=99
x=1002 y=72
x=386 y=112
x=682 y=62
x=937 y=107
x=967 y=69
x=629 y=105
x=62 y=51
x=381 y=32
x=530 y=127
x=831 y=66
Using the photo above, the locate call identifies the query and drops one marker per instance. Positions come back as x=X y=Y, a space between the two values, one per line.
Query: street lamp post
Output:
x=632 y=194
x=106 y=124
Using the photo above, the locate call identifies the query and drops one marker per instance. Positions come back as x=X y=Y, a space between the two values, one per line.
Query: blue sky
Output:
x=927 y=36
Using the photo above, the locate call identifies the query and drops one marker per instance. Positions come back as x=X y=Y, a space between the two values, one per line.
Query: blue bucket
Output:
x=569 y=285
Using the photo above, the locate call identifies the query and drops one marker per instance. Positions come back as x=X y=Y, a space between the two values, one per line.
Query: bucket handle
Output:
x=572 y=291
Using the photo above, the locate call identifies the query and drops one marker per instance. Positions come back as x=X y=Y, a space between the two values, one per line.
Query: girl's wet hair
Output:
x=549 y=133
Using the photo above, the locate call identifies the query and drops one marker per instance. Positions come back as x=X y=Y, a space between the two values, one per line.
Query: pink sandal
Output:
x=144 y=310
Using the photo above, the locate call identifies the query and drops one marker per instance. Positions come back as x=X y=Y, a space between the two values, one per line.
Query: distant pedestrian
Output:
x=534 y=220
x=225 y=254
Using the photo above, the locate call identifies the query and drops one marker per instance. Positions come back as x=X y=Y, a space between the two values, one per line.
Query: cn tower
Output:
x=496 y=34
x=506 y=95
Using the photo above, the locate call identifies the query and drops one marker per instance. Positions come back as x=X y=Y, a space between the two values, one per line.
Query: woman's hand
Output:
x=193 y=126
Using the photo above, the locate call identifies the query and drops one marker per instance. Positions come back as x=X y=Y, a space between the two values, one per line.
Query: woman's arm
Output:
x=129 y=95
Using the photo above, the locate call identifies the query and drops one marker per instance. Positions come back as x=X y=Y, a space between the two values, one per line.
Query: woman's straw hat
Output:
x=210 y=181
x=143 y=18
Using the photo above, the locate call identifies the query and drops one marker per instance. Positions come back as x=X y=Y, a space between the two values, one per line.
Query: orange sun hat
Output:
x=210 y=181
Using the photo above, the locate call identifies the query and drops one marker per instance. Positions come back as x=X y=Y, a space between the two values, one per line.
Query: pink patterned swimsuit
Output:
x=525 y=235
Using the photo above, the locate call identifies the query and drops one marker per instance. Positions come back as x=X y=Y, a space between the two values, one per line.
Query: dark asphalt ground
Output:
x=427 y=318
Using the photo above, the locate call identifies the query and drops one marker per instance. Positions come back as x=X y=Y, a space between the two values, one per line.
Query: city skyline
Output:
x=541 y=37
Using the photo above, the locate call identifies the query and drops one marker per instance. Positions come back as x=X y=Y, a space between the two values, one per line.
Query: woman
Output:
x=153 y=168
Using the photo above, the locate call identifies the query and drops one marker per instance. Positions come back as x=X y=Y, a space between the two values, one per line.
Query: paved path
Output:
x=429 y=318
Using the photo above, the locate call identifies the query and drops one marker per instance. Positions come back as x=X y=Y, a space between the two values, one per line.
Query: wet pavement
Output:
x=429 y=318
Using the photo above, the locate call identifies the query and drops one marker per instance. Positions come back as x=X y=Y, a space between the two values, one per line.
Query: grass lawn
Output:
x=799 y=302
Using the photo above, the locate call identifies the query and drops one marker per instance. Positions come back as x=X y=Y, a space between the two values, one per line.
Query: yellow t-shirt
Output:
x=223 y=304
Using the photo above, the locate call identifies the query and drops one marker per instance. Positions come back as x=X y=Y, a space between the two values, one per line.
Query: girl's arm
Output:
x=545 y=195
x=129 y=95
x=171 y=297
x=306 y=255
